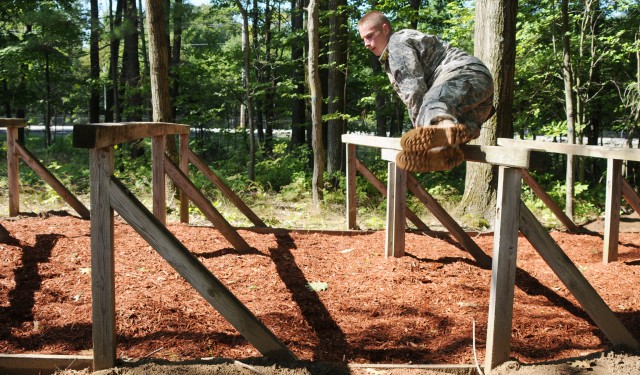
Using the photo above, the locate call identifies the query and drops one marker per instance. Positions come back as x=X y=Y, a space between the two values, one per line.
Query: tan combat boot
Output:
x=435 y=159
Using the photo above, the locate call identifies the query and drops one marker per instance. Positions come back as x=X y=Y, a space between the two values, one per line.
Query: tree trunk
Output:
x=158 y=62
x=248 y=95
x=298 y=115
x=269 y=80
x=494 y=44
x=47 y=108
x=112 y=95
x=567 y=77
x=338 y=50
x=145 y=55
x=315 y=92
x=94 y=57
x=131 y=63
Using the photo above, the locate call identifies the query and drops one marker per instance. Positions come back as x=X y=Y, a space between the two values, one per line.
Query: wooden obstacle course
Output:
x=616 y=186
x=107 y=194
x=16 y=151
x=511 y=216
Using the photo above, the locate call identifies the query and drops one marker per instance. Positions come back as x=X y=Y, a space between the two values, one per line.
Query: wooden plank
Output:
x=100 y=135
x=351 y=186
x=396 y=203
x=158 y=147
x=612 y=211
x=372 y=141
x=448 y=222
x=53 y=181
x=630 y=195
x=574 y=280
x=503 y=269
x=184 y=167
x=605 y=152
x=226 y=191
x=367 y=174
x=205 y=206
x=509 y=157
x=102 y=261
x=40 y=364
x=13 y=123
x=196 y=274
x=13 y=172
x=549 y=202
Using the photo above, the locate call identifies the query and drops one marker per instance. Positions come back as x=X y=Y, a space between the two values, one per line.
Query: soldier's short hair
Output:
x=377 y=18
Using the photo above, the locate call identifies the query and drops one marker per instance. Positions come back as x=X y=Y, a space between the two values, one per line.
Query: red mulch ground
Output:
x=419 y=308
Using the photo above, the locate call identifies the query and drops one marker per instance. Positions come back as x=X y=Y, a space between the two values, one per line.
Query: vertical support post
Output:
x=102 y=261
x=612 y=211
x=157 y=167
x=184 y=168
x=396 y=202
x=351 y=186
x=14 y=176
x=503 y=273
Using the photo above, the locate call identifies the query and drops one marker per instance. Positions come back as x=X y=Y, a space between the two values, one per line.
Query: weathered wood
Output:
x=574 y=280
x=605 y=152
x=110 y=134
x=204 y=205
x=505 y=156
x=612 y=211
x=367 y=174
x=196 y=274
x=396 y=203
x=13 y=123
x=549 y=202
x=630 y=196
x=372 y=141
x=184 y=167
x=37 y=364
x=351 y=186
x=13 y=171
x=226 y=191
x=503 y=269
x=102 y=260
x=448 y=222
x=158 y=147
x=53 y=181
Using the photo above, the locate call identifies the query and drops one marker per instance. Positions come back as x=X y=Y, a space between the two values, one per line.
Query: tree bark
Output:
x=131 y=63
x=112 y=110
x=315 y=91
x=298 y=115
x=567 y=76
x=158 y=62
x=338 y=50
x=494 y=44
x=94 y=57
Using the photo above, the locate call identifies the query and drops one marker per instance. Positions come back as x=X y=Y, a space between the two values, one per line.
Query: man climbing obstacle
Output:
x=448 y=93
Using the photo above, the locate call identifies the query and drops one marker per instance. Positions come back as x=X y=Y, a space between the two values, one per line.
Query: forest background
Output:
x=51 y=75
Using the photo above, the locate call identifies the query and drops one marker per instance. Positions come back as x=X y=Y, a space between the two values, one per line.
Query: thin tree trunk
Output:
x=298 y=115
x=94 y=57
x=567 y=76
x=143 y=41
x=131 y=69
x=315 y=91
x=112 y=106
x=158 y=62
x=47 y=111
x=494 y=44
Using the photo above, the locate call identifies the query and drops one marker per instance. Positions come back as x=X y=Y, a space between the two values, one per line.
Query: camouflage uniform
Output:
x=437 y=81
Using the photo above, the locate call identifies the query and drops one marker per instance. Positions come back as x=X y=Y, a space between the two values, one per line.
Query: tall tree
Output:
x=495 y=45
x=567 y=77
x=315 y=91
x=131 y=63
x=158 y=62
x=112 y=95
x=94 y=52
x=298 y=116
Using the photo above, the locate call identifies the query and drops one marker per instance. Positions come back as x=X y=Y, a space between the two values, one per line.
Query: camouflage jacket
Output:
x=414 y=61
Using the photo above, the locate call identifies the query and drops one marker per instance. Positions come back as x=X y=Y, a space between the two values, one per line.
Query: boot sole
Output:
x=435 y=159
x=428 y=137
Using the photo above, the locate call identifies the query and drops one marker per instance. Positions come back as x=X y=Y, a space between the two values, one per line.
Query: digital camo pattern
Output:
x=437 y=81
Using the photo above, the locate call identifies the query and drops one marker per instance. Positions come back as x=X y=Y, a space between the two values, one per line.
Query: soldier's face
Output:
x=375 y=37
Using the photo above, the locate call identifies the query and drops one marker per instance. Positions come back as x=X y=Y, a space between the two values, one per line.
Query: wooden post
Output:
x=351 y=186
x=630 y=195
x=157 y=167
x=396 y=201
x=102 y=260
x=503 y=274
x=612 y=211
x=184 y=167
x=549 y=202
x=14 y=175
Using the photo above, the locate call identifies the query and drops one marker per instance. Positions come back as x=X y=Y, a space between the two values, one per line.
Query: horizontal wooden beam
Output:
x=101 y=135
x=372 y=141
x=606 y=152
x=13 y=123
x=497 y=155
x=40 y=364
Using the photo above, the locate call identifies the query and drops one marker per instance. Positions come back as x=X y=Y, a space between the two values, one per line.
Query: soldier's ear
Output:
x=386 y=29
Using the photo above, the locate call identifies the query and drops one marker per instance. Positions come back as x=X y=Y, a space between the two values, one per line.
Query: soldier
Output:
x=448 y=93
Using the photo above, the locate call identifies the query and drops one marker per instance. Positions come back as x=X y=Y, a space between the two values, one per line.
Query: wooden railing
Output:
x=512 y=216
x=108 y=194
